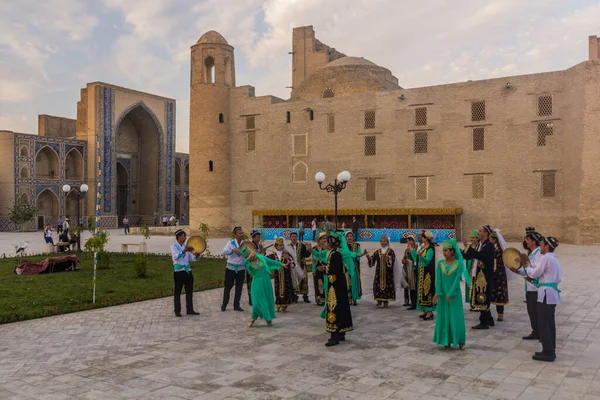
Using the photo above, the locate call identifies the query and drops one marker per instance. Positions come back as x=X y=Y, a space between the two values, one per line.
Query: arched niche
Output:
x=74 y=165
x=122 y=191
x=138 y=135
x=300 y=172
x=24 y=173
x=24 y=151
x=186 y=176
x=46 y=164
x=177 y=173
x=47 y=204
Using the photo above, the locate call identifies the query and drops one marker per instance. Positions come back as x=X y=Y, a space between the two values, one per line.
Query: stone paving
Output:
x=142 y=351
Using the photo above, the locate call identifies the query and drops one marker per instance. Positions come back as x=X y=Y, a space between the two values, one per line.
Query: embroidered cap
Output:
x=334 y=241
x=179 y=232
x=237 y=228
x=254 y=232
x=552 y=242
x=529 y=229
x=475 y=234
x=487 y=228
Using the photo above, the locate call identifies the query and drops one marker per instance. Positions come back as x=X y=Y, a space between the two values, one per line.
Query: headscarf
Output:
x=475 y=234
x=266 y=261
x=452 y=244
x=501 y=241
x=429 y=235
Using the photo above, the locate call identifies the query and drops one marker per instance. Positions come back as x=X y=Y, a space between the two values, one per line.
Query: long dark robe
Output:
x=284 y=289
x=338 y=317
x=483 y=281
x=356 y=248
x=318 y=278
x=500 y=291
x=425 y=278
x=302 y=253
x=383 y=283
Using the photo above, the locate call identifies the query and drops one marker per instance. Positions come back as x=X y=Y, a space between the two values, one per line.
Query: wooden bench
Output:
x=124 y=247
x=62 y=246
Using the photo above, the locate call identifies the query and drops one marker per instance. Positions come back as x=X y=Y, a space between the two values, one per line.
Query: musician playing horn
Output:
x=182 y=273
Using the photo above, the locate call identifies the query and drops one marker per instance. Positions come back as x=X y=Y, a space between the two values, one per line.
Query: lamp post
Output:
x=80 y=193
x=339 y=184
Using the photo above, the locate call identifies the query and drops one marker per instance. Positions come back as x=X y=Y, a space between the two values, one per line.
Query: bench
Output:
x=124 y=246
x=62 y=246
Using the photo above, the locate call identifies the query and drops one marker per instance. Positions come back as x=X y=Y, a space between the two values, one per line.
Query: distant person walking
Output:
x=126 y=224
x=301 y=230
x=313 y=227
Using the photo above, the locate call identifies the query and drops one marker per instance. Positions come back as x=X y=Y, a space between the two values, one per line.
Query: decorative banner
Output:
x=364 y=235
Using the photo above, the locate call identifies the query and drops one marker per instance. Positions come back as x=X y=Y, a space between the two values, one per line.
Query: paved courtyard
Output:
x=142 y=351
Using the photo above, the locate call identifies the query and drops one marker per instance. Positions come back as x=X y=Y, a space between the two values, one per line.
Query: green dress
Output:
x=450 y=320
x=263 y=298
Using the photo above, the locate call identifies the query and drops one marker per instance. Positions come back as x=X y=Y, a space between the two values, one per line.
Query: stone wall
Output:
x=58 y=127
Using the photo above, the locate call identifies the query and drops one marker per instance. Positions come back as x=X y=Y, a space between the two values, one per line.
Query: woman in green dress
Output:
x=260 y=267
x=450 y=324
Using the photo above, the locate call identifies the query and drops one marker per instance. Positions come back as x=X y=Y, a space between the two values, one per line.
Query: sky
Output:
x=50 y=49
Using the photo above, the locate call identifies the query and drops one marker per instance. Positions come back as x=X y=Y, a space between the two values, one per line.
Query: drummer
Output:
x=182 y=273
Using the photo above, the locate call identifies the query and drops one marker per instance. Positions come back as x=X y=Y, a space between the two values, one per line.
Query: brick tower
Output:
x=212 y=75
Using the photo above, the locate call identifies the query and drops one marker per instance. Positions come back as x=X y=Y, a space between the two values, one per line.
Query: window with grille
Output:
x=548 y=184
x=300 y=172
x=421 y=188
x=370 y=189
x=370 y=145
x=477 y=187
x=421 y=116
x=420 y=142
x=478 y=139
x=478 y=111
x=545 y=131
x=250 y=122
x=369 y=119
x=545 y=106
x=328 y=93
x=249 y=198
x=299 y=145
x=251 y=141
x=330 y=123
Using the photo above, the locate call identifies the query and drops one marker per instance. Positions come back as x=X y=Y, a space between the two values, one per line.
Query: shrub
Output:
x=141 y=266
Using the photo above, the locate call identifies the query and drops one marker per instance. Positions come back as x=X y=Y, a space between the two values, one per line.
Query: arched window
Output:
x=221 y=118
x=24 y=151
x=24 y=173
x=228 y=72
x=328 y=93
x=300 y=172
x=209 y=70
x=210 y=166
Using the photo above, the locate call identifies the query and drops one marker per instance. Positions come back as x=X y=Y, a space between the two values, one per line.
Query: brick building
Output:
x=122 y=145
x=509 y=152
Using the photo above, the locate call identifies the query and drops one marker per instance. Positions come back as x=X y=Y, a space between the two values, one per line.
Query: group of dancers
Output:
x=428 y=286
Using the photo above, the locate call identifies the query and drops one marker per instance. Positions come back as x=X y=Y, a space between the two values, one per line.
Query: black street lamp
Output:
x=338 y=185
x=80 y=193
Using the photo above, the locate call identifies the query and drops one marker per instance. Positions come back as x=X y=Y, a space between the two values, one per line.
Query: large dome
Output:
x=212 y=37
x=350 y=61
x=346 y=76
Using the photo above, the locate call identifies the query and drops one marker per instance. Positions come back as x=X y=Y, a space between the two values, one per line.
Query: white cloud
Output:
x=424 y=43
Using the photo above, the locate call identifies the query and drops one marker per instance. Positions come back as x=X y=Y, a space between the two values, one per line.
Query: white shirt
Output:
x=548 y=270
x=235 y=261
x=534 y=259
x=313 y=225
x=181 y=259
x=66 y=225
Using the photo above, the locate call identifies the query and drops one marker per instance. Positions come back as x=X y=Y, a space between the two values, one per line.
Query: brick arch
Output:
x=53 y=160
x=74 y=160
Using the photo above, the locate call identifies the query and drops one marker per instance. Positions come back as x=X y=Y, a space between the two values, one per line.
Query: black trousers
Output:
x=406 y=296
x=183 y=279
x=532 y=307
x=500 y=309
x=413 y=298
x=233 y=278
x=249 y=285
x=547 y=326
x=126 y=229
x=485 y=318
x=314 y=235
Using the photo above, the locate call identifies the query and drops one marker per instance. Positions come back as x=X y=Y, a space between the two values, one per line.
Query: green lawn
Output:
x=33 y=296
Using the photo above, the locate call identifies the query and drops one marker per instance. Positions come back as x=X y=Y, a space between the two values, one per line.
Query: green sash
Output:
x=553 y=285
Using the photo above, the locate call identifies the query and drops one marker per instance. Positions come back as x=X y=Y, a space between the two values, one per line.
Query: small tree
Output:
x=22 y=213
x=96 y=244
x=145 y=231
x=205 y=230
